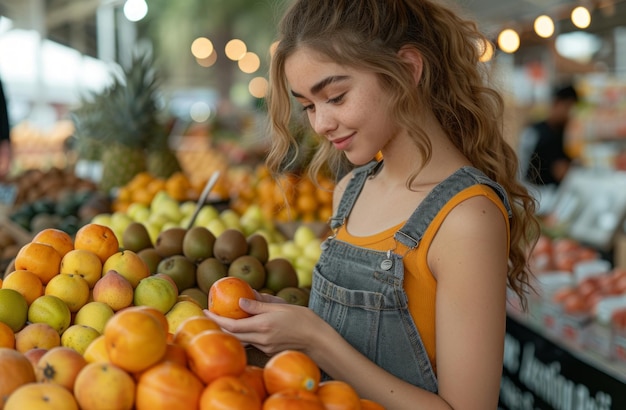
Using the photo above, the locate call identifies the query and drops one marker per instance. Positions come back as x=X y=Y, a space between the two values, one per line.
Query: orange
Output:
x=229 y=392
x=82 y=262
x=97 y=238
x=191 y=327
x=178 y=186
x=291 y=369
x=25 y=282
x=367 y=404
x=142 y=196
x=224 y=295
x=7 y=337
x=213 y=353
x=135 y=340
x=168 y=385
x=338 y=395
x=39 y=258
x=289 y=399
x=58 y=239
x=253 y=376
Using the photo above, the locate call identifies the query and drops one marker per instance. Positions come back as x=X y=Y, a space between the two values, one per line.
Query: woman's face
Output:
x=346 y=106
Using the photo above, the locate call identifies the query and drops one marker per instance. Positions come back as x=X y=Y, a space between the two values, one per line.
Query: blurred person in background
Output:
x=5 y=137
x=543 y=159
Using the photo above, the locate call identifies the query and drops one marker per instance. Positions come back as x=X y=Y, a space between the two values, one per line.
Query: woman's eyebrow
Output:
x=322 y=84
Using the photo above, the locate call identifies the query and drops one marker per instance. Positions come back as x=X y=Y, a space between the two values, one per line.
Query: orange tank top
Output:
x=419 y=282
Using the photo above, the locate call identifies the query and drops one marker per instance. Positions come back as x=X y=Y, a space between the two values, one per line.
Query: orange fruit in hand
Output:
x=291 y=369
x=213 y=353
x=224 y=295
x=60 y=240
x=293 y=399
x=168 y=385
x=338 y=395
x=229 y=392
x=39 y=258
x=135 y=340
x=192 y=326
x=97 y=238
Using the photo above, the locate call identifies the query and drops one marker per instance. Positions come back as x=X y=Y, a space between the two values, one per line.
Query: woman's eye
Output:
x=337 y=99
x=309 y=107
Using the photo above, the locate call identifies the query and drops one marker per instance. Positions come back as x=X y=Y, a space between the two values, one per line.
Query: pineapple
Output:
x=131 y=111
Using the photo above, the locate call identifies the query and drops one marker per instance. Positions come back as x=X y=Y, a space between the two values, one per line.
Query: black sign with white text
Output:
x=540 y=375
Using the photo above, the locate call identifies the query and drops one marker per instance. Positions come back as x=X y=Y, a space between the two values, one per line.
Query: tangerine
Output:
x=99 y=239
x=224 y=295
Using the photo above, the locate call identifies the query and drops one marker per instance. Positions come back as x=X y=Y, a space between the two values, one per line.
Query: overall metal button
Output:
x=386 y=264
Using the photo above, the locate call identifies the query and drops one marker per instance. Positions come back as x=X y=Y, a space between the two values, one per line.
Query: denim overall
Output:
x=360 y=291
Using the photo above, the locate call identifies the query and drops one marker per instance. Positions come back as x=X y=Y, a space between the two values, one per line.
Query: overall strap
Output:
x=413 y=230
x=353 y=189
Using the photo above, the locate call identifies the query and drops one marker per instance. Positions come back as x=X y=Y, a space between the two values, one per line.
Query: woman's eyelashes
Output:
x=335 y=100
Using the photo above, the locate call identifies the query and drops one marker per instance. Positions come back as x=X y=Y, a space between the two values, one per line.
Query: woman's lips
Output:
x=342 y=143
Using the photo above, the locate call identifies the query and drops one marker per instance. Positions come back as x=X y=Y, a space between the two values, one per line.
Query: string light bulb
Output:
x=544 y=26
x=581 y=17
x=508 y=40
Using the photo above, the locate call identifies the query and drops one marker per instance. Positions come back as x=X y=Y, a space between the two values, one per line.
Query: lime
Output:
x=13 y=309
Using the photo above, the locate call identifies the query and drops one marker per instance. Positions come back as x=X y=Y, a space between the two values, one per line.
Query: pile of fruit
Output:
x=290 y=198
x=85 y=323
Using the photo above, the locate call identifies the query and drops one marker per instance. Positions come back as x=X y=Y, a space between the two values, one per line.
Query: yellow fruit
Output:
x=25 y=282
x=71 y=289
x=82 y=262
x=51 y=310
x=94 y=314
x=79 y=337
x=129 y=265
x=180 y=312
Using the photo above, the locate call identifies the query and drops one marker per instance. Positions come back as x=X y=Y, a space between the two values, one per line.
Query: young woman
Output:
x=408 y=298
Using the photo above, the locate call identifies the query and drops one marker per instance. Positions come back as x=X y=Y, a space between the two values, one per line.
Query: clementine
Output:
x=213 y=353
x=338 y=395
x=60 y=240
x=289 y=399
x=190 y=327
x=224 y=295
x=39 y=258
x=229 y=392
x=291 y=369
x=135 y=340
x=168 y=385
x=99 y=239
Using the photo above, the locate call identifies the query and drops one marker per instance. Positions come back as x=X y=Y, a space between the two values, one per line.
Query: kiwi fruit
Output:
x=198 y=295
x=170 y=242
x=280 y=274
x=151 y=257
x=208 y=271
x=136 y=237
x=258 y=247
x=248 y=268
x=179 y=268
x=198 y=244
x=294 y=296
x=230 y=245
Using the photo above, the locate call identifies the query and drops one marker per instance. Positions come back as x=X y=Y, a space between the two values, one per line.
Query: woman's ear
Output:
x=413 y=58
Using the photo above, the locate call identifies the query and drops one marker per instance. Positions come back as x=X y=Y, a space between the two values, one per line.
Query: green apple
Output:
x=138 y=212
x=187 y=208
x=153 y=230
x=216 y=226
x=275 y=250
x=158 y=220
x=305 y=276
x=313 y=249
x=291 y=251
x=102 y=219
x=120 y=221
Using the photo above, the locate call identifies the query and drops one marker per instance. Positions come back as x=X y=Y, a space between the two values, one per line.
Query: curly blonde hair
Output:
x=367 y=35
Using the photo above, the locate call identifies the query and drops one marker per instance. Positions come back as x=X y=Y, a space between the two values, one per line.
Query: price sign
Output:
x=8 y=192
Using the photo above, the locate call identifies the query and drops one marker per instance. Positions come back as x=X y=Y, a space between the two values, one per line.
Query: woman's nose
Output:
x=324 y=122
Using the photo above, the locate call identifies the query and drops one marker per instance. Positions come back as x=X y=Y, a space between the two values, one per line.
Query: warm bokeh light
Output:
x=258 y=87
x=544 y=26
x=249 y=63
x=208 y=61
x=135 y=10
x=235 y=49
x=202 y=48
x=508 y=40
x=581 y=17
x=486 y=51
